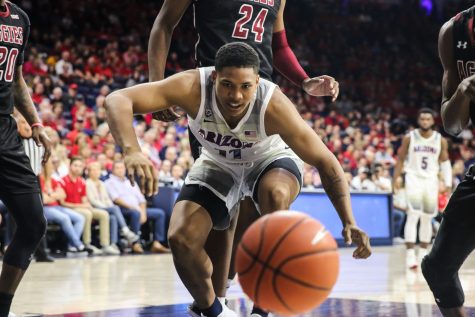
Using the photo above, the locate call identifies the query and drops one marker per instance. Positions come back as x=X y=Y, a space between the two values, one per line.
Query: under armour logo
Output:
x=462 y=45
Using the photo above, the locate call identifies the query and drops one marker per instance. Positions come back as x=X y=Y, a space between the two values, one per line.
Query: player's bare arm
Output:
x=316 y=86
x=401 y=157
x=455 y=97
x=445 y=166
x=159 y=45
x=310 y=148
x=24 y=104
x=182 y=89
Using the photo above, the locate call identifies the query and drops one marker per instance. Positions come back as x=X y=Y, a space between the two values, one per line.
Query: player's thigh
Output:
x=430 y=197
x=414 y=192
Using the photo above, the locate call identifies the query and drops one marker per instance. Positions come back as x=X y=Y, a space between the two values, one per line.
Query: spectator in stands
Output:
x=165 y=170
x=76 y=199
x=308 y=180
x=99 y=198
x=131 y=200
x=177 y=176
x=399 y=209
x=362 y=181
x=382 y=183
x=64 y=67
x=70 y=222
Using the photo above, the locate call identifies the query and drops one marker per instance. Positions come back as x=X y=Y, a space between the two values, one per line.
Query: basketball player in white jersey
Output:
x=238 y=119
x=423 y=153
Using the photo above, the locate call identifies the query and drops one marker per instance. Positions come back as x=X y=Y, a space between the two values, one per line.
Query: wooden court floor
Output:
x=147 y=285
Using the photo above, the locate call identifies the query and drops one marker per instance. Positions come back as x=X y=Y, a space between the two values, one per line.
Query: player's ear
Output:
x=214 y=74
x=257 y=79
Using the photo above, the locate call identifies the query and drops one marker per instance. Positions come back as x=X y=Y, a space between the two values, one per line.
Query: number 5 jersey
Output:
x=423 y=155
x=14 y=30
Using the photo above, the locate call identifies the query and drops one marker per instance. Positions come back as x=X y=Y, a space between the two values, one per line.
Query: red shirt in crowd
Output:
x=75 y=190
x=54 y=184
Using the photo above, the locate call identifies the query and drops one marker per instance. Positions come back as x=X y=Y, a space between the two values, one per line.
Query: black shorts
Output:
x=16 y=175
x=460 y=207
x=216 y=207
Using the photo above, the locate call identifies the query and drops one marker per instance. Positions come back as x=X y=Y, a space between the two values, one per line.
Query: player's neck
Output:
x=2 y=5
x=426 y=134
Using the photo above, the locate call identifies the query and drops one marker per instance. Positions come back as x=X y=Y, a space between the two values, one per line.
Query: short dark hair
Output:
x=76 y=158
x=426 y=110
x=237 y=54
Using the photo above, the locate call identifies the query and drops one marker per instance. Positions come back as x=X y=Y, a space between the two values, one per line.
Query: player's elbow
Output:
x=452 y=128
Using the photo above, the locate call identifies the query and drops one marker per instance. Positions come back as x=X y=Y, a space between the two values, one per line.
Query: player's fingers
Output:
x=347 y=236
x=131 y=175
x=148 y=180
x=155 y=181
x=141 y=175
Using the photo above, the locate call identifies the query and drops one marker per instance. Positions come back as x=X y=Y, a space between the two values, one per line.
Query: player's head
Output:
x=425 y=119
x=236 y=77
x=76 y=166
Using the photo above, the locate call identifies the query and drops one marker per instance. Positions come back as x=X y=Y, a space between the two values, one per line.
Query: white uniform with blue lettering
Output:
x=232 y=159
x=422 y=187
x=422 y=169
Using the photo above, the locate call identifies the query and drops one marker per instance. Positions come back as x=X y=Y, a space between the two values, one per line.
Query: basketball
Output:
x=287 y=263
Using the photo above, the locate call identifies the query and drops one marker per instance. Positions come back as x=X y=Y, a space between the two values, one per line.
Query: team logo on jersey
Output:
x=425 y=149
x=224 y=140
x=15 y=17
x=208 y=113
x=462 y=45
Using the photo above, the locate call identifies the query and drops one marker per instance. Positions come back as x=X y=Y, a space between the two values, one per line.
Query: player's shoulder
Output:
x=16 y=10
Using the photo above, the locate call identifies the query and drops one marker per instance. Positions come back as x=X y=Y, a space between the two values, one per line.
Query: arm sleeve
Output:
x=446 y=170
x=285 y=60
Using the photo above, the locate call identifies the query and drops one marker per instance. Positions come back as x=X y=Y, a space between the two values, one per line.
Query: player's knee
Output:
x=278 y=197
x=443 y=282
x=182 y=240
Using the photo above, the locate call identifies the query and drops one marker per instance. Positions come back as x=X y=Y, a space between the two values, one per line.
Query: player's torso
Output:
x=247 y=142
x=423 y=155
x=464 y=46
x=222 y=21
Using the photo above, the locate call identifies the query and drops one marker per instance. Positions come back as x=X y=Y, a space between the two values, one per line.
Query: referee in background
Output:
x=35 y=154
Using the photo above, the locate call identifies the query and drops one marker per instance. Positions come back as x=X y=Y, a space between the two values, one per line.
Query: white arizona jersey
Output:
x=248 y=141
x=423 y=155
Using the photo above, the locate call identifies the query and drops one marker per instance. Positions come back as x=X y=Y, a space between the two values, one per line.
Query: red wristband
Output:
x=285 y=60
x=37 y=124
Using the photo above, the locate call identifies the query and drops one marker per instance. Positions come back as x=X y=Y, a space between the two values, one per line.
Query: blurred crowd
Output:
x=79 y=53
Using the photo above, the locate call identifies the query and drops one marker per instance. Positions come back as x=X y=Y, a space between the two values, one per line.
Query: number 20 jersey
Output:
x=14 y=30
x=222 y=21
x=423 y=155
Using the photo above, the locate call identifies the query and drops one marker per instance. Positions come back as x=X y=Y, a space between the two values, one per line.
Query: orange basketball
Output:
x=287 y=263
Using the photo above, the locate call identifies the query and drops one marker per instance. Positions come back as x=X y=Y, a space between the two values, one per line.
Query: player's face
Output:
x=426 y=121
x=235 y=88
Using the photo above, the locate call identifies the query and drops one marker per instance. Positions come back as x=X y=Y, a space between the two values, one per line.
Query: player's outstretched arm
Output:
x=455 y=97
x=181 y=89
x=159 y=45
x=160 y=36
x=282 y=118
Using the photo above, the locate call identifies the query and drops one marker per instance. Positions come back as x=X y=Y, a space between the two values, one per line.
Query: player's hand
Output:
x=137 y=164
x=353 y=234
x=322 y=86
x=168 y=115
x=41 y=139
x=467 y=87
